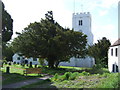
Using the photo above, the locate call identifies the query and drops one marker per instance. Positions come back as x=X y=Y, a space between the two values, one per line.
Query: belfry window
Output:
x=80 y=22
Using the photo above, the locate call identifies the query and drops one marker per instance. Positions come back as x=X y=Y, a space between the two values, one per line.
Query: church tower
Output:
x=82 y=22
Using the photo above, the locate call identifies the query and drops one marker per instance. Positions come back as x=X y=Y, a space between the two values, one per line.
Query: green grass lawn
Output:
x=86 y=77
x=16 y=74
x=106 y=80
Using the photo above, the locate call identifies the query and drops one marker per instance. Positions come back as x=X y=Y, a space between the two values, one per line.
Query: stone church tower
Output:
x=82 y=23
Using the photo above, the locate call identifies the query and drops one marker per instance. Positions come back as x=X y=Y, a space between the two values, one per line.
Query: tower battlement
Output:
x=84 y=13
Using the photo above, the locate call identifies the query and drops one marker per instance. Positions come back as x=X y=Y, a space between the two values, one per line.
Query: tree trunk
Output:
x=51 y=63
x=56 y=64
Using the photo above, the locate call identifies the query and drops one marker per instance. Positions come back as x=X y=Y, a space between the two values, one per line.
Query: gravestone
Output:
x=7 y=69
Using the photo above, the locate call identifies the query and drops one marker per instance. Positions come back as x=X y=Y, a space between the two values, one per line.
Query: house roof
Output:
x=116 y=43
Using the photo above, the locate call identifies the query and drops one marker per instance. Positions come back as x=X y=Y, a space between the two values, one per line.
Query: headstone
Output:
x=35 y=65
x=7 y=69
x=30 y=65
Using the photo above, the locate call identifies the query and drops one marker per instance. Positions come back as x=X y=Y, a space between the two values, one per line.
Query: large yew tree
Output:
x=47 y=39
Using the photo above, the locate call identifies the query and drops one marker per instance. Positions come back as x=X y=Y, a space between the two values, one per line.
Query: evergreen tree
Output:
x=7 y=25
x=100 y=51
x=49 y=40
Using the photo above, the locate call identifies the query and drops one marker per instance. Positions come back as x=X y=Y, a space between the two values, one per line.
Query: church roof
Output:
x=116 y=43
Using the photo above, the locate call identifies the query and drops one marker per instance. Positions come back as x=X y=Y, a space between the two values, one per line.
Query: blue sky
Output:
x=104 y=14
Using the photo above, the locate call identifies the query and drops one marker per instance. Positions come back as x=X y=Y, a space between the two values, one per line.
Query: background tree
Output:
x=47 y=39
x=7 y=32
x=100 y=51
x=7 y=51
x=7 y=25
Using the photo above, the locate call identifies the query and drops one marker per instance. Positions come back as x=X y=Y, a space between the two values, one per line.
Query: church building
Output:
x=82 y=22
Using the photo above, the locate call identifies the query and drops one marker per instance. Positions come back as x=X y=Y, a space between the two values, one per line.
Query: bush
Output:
x=74 y=76
x=67 y=75
x=106 y=74
x=14 y=62
x=23 y=65
x=55 y=78
x=97 y=66
x=85 y=73
x=4 y=62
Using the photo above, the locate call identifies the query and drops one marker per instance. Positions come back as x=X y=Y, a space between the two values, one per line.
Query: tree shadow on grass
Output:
x=8 y=78
x=43 y=84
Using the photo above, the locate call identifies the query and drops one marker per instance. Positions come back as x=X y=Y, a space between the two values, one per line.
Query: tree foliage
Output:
x=7 y=32
x=47 y=39
x=100 y=51
x=7 y=25
x=7 y=51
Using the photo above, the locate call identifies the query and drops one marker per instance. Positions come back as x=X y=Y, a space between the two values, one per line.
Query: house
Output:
x=113 y=59
x=81 y=22
x=18 y=59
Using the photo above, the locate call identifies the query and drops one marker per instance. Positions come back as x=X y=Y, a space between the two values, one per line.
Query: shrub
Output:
x=63 y=77
x=85 y=73
x=106 y=74
x=14 y=62
x=67 y=75
x=23 y=65
x=74 y=76
x=4 y=61
x=55 y=78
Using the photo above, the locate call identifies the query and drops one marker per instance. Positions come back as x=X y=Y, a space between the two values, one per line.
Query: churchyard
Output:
x=62 y=77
